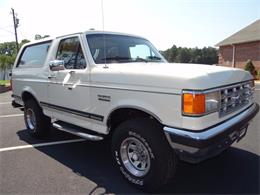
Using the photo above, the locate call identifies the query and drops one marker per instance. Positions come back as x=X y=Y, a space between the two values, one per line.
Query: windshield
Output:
x=108 y=48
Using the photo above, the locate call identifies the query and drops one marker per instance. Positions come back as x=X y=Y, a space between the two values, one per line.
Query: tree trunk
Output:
x=4 y=71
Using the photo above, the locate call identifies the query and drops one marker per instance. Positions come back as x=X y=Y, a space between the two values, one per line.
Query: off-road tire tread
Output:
x=152 y=132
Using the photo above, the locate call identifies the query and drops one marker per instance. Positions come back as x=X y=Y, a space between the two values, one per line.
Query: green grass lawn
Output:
x=4 y=82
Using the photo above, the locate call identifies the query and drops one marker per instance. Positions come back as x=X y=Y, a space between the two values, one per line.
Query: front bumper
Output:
x=196 y=146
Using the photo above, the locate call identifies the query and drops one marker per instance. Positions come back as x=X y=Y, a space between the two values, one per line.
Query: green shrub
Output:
x=258 y=75
x=4 y=82
x=249 y=66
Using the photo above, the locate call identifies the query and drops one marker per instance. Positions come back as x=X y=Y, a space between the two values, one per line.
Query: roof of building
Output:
x=248 y=34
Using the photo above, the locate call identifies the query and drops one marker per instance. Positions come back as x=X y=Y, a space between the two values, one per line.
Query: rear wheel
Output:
x=37 y=123
x=142 y=153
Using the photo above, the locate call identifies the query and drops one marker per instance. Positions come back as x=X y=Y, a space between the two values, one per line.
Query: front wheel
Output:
x=142 y=153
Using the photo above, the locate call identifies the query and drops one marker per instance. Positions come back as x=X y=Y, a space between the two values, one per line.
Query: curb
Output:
x=4 y=89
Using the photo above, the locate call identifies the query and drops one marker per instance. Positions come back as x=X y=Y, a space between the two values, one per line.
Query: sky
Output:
x=185 y=23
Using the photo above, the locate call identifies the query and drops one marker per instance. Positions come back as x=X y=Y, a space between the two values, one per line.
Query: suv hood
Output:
x=167 y=76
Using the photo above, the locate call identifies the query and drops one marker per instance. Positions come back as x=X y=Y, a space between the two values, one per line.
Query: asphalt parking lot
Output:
x=51 y=166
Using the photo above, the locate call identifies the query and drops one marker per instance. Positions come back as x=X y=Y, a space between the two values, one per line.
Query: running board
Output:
x=76 y=131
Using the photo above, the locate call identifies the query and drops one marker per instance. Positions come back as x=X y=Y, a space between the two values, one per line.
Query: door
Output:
x=68 y=91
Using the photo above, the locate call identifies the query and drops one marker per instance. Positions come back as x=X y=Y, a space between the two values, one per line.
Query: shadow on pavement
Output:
x=235 y=171
x=53 y=137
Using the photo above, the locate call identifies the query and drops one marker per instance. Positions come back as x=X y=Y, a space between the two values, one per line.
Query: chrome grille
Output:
x=235 y=97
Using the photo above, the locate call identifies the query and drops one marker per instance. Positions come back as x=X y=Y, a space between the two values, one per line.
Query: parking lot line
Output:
x=5 y=103
x=40 y=145
x=11 y=115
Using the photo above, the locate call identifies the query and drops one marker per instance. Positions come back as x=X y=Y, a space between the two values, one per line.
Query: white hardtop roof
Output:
x=89 y=32
x=39 y=41
x=111 y=33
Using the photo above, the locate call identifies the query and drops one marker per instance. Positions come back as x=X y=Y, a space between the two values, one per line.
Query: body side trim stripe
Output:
x=75 y=112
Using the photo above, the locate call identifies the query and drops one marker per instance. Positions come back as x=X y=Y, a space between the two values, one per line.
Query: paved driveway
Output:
x=76 y=166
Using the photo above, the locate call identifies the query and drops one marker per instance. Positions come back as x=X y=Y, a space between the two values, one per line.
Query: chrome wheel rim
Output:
x=30 y=118
x=135 y=157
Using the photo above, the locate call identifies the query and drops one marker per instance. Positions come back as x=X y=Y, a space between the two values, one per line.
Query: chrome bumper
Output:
x=197 y=146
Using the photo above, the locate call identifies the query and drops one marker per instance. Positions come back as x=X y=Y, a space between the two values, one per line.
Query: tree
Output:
x=249 y=66
x=196 y=56
x=171 y=53
x=206 y=55
x=8 y=48
x=8 y=54
x=6 y=63
x=183 y=55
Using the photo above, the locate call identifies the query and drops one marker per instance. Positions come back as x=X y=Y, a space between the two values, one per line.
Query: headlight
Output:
x=198 y=103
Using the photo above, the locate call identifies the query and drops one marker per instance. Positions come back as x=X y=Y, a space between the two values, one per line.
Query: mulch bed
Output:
x=4 y=88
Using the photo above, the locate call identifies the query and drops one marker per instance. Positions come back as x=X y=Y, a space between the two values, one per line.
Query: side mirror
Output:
x=57 y=65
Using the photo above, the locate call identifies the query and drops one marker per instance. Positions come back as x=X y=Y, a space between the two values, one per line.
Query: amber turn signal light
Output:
x=193 y=104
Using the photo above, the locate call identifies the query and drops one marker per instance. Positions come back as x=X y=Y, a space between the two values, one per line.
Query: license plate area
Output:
x=238 y=135
x=242 y=133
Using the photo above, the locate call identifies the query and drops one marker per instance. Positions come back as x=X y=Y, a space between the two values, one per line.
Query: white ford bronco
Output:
x=117 y=86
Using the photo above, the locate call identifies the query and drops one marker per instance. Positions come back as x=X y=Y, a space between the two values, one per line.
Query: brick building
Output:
x=235 y=50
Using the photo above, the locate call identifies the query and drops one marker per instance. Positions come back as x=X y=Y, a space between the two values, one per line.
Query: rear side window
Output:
x=34 y=55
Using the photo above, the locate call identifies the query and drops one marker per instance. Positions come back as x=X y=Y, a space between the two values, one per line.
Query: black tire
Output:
x=162 y=164
x=40 y=125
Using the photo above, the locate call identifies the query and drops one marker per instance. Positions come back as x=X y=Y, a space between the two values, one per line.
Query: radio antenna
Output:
x=103 y=19
x=104 y=41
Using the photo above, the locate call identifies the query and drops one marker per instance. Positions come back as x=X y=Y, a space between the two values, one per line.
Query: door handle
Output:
x=51 y=76
x=70 y=87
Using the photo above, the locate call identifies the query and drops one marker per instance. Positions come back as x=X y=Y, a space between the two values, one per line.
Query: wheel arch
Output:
x=28 y=94
x=123 y=113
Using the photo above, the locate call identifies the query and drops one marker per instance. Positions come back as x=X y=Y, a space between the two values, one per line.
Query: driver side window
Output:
x=70 y=51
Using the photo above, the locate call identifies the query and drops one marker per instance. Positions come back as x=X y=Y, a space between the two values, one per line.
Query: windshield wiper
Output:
x=154 y=58
x=141 y=60
x=117 y=58
x=127 y=59
x=149 y=59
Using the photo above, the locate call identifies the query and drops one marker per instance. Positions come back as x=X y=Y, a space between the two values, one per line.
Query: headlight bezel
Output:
x=212 y=100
